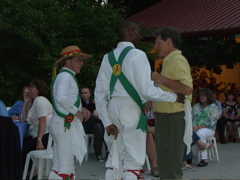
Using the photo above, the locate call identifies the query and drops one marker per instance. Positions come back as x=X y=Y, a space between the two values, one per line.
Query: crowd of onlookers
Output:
x=35 y=108
x=207 y=114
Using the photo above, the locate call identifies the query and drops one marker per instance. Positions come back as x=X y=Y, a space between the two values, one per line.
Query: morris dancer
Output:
x=66 y=127
x=123 y=86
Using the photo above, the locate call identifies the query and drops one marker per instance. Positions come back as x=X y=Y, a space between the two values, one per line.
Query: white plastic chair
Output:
x=38 y=156
x=148 y=163
x=211 y=151
x=225 y=133
x=90 y=147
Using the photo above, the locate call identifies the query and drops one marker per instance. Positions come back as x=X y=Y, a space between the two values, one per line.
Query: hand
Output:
x=27 y=97
x=86 y=113
x=232 y=117
x=156 y=77
x=14 y=117
x=149 y=105
x=112 y=130
x=195 y=128
x=150 y=130
x=95 y=113
x=80 y=115
x=180 y=98
x=39 y=146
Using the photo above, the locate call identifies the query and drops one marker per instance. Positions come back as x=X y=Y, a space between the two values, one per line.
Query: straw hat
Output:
x=71 y=51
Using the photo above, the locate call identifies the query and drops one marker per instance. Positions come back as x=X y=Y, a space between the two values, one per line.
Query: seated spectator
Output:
x=16 y=110
x=205 y=115
x=151 y=151
x=3 y=109
x=231 y=115
x=93 y=125
x=38 y=116
x=202 y=147
x=220 y=122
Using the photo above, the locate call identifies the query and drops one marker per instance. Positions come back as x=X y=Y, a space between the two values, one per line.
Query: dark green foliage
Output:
x=33 y=33
x=212 y=52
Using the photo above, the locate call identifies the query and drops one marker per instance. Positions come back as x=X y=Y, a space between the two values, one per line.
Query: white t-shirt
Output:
x=41 y=107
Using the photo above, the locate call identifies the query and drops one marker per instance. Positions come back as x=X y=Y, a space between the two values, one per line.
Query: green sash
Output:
x=77 y=103
x=118 y=74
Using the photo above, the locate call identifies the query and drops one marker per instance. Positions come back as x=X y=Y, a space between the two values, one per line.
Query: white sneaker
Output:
x=100 y=159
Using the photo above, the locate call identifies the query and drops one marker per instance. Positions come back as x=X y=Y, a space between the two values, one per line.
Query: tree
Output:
x=34 y=32
x=212 y=52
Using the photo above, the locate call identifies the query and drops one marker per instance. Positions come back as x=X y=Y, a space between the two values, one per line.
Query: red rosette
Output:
x=69 y=118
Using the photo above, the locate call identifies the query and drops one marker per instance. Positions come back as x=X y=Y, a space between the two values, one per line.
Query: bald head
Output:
x=128 y=31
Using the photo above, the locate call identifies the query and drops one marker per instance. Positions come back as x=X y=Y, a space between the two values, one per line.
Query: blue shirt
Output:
x=16 y=109
x=3 y=109
x=219 y=105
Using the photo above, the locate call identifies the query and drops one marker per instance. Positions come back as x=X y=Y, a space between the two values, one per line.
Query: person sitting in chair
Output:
x=94 y=124
x=205 y=115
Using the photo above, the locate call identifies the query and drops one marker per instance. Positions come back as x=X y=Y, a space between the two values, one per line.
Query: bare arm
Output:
x=174 y=85
x=26 y=106
x=225 y=113
x=196 y=128
x=95 y=113
x=238 y=115
x=41 y=128
x=150 y=130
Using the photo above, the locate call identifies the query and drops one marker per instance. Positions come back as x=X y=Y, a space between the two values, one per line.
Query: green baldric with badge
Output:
x=68 y=117
x=118 y=74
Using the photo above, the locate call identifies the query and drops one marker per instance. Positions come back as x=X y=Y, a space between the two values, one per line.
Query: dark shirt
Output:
x=89 y=106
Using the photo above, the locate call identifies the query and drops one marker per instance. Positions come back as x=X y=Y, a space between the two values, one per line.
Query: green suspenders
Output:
x=118 y=74
x=68 y=117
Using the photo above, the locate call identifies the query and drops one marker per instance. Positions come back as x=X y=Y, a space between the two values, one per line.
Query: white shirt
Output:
x=41 y=107
x=65 y=91
x=137 y=70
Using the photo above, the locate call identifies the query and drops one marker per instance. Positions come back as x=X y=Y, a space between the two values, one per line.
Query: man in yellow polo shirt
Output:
x=170 y=124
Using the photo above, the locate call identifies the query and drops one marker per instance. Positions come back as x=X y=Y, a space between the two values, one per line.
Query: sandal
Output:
x=188 y=168
x=154 y=172
x=202 y=163
x=207 y=147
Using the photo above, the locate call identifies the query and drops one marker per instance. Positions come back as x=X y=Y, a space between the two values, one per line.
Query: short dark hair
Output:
x=123 y=28
x=231 y=93
x=41 y=86
x=22 y=91
x=208 y=93
x=169 y=32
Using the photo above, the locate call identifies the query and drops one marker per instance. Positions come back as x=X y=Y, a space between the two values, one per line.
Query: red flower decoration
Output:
x=69 y=118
